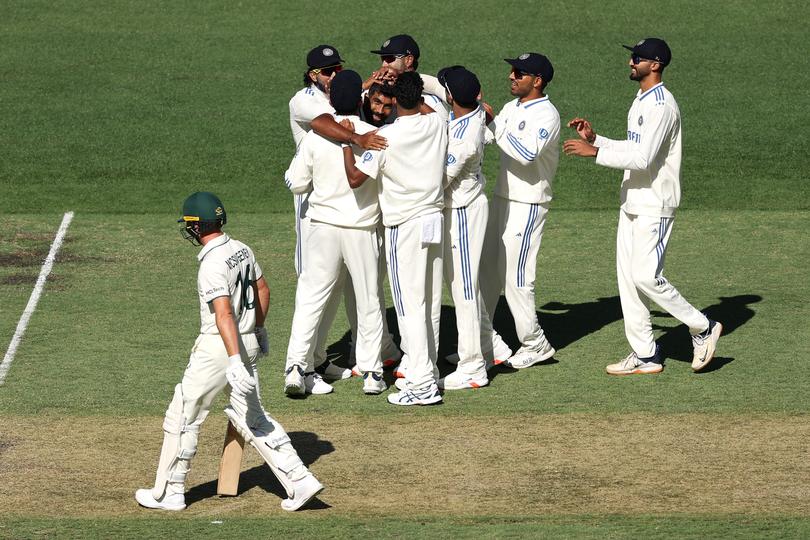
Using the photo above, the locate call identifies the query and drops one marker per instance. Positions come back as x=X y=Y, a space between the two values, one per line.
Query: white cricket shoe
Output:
x=175 y=501
x=333 y=372
x=427 y=396
x=526 y=357
x=401 y=371
x=294 y=381
x=705 y=344
x=356 y=371
x=373 y=383
x=500 y=354
x=633 y=365
x=401 y=384
x=460 y=381
x=303 y=491
x=314 y=384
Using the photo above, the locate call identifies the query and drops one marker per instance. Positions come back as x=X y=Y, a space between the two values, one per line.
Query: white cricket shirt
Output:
x=410 y=172
x=651 y=155
x=305 y=106
x=227 y=268
x=464 y=179
x=528 y=135
x=318 y=167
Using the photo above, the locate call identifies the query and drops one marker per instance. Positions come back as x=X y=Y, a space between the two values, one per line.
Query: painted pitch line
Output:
x=35 y=294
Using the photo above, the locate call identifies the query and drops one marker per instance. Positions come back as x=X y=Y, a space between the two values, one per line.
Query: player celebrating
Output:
x=342 y=230
x=410 y=173
x=465 y=222
x=650 y=194
x=527 y=132
x=233 y=304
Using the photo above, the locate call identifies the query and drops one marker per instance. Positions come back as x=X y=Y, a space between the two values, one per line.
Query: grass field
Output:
x=118 y=110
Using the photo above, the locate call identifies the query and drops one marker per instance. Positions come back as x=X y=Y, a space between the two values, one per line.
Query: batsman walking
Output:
x=234 y=299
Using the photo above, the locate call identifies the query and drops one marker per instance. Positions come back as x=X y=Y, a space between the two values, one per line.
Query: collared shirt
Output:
x=651 y=155
x=227 y=268
x=410 y=172
x=528 y=135
x=464 y=179
x=305 y=106
x=318 y=167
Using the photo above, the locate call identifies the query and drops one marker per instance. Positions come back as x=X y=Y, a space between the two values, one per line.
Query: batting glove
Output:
x=238 y=377
x=264 y=343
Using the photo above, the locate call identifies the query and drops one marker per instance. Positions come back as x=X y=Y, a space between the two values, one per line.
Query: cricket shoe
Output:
x=356 y=371
x=633 y=365
x=314 y=384
x=500 y=354
x=460 y=381
x=373 y=383
x=175 y=501
x=705 y=344
x=401 y=384
x=401 y=371
x=304 y=490
x=526 y=357
x=333 y=372
x=427 y=396
x=294 y=381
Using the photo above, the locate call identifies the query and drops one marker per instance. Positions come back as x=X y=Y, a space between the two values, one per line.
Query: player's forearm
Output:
x=226 y=325
x=355 y=176
x=262 y=292
x=516 y=149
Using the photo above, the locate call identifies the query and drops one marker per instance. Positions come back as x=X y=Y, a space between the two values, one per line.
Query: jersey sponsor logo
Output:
x=543 y=133
x=640 y=120
x=367 y=157
x=522 y=124
x=633 y=136
x=451 y=159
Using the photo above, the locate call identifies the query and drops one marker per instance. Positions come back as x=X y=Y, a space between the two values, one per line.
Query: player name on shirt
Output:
x=233 y=260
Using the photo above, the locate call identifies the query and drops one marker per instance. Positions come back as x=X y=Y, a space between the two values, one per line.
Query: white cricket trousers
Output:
x=415 y=277
x=344 y=285
x=641 y=245
x=512 y=242
x=327 y=249
x=464 y=231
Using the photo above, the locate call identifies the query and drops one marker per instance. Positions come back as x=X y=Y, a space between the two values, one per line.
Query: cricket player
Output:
x=400 y=54
x=410 y=174
x=342 y=231
x=233 y=304
x=465 y=221
x=527 y=132
x=377 y=104
x=650 y=195
x=310 y=109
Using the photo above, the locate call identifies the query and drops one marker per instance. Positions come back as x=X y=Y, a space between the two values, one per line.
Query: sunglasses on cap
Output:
x=636 y=59
x=327 y=71
x=390 y=58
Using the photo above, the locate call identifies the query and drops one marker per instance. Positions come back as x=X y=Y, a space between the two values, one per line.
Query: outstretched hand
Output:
x=578 y=147
x=584 y=129
x=371 y=141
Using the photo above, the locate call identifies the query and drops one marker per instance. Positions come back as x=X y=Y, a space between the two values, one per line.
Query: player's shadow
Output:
x=309 y=448
x=731 y=311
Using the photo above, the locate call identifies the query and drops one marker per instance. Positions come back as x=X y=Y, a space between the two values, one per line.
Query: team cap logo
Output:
x=328 y=52
x=387 y=43
x=640 y=42
x=523 y=56
x=218 y=211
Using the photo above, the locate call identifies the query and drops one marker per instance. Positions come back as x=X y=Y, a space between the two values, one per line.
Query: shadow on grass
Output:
x=732 y=311
x=309 y=448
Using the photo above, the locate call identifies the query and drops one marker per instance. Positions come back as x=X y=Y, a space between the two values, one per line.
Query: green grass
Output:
x=118 y=110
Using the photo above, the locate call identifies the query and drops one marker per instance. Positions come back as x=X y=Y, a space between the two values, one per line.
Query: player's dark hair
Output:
x=415 y=63
x=382 y=88
x=408 y=90
x=307 y=80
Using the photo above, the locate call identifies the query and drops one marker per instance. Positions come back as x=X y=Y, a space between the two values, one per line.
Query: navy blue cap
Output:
x=535 y=64
x=323 y=56
x=652 y=49
x=345 y=91
x=463 y=85
x=399 y=44
x=443 y=73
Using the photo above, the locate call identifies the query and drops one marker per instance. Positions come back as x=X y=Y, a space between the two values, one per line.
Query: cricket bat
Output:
x=231 y=463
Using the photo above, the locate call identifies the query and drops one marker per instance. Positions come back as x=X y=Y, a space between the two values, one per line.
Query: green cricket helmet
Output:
x=203 y=212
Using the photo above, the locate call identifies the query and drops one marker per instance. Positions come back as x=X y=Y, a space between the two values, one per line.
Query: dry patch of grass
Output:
x=532 y=465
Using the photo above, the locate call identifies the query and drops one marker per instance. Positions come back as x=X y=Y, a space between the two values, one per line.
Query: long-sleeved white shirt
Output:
x=318 y=169
x=305 y=106
x=651 y=155
x=528 y=135
x=464 y=179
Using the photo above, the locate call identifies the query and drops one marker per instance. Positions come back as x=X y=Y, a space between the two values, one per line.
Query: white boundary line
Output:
x=35 y=294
